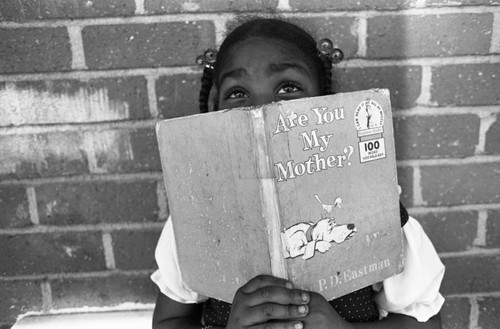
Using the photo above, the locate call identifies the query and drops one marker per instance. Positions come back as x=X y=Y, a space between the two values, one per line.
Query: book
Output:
x=303 y=189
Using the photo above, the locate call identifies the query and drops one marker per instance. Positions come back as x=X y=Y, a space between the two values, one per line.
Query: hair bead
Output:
x=326 y=49
x=207 y=59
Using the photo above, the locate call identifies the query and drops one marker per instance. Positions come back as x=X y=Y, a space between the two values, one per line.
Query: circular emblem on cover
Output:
x=369 y=115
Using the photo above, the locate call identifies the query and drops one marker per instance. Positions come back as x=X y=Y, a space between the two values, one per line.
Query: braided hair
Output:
x=271 y=28
x=206 y=85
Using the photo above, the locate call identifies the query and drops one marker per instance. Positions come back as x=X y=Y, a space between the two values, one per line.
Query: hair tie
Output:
x=207 y=60
x=325 y=48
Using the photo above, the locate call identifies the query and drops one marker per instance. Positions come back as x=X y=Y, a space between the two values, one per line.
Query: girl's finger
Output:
x=265 y=281
x=271 y=311
x=280 y=325
x=277 y=295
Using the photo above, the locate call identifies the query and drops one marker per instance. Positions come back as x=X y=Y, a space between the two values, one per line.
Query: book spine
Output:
x=269 y=196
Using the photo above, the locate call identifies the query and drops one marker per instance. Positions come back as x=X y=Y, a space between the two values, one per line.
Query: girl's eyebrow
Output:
x=236 y=73
x=280 y=67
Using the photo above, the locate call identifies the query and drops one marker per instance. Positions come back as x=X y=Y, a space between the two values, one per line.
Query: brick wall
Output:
x=82 y=84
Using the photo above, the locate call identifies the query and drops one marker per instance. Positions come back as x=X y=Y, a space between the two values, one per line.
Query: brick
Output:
x=178 y=6
x=471 y=274
x=93 y=100
x=134 y=250
x=402 y=81
x=395 y=36
x=177 y=95
x=97 y=202
x=34 y=50
x=14 y=208
x=445 y=185
x=338 y=29
x=466 y=84
x=455 y=313
x=146 y=45
x=492 y=145
x=51 y=253
x=42 y=155
x=79 y=152
x=19 y=297
x=102 y=291
x=489 y=312
x=437 y=136
x=24 y=10
x=322 y=5
x=123 y=151
x=493 y=229
x=451 y=231
x=405 y=180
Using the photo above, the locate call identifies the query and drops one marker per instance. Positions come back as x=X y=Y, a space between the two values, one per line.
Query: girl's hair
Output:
x=275 y=29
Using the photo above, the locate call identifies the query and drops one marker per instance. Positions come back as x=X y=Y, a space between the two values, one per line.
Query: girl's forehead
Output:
x=263 y=51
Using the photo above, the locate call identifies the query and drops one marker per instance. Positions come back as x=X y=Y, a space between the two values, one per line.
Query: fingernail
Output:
x=305 y=297
x=289 y=285
x=303 y=309
x=298 y=325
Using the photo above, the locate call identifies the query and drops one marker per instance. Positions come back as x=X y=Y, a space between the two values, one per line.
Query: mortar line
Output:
x=140 y=19
x=474 y=313
x=220 y=29
x=486 y=121
x=425 y=86
x=109 y=255
x=495 y=37
x=80 y=127
x=85 y=178
x=455 y=208
x=182 y=17
x=362 y=30
x=474 y=294
x=75 y=275
x=284 y=5
x=476 y=159
x=421 y=110
x=46 y=289
x=417 y=187
x=88 y=141
x=152 y=100
x=112 y=73
x=83 y=228
x=471 y=252
x=139 y=7
x=128 y=306
x=77 y=49
x=480 y=240
x=32 y=205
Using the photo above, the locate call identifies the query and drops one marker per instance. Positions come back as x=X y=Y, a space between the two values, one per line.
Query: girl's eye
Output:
x=289 y=87
x=236 y=94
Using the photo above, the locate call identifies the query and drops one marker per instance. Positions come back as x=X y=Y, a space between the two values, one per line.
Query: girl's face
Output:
x=260 y=71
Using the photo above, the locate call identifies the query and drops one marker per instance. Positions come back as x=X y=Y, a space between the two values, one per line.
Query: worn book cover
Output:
x=303 y=189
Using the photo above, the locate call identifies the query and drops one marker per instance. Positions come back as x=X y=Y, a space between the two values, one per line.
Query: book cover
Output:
x=303 y=189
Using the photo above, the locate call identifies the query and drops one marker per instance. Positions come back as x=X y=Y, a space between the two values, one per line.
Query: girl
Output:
x=263 y=61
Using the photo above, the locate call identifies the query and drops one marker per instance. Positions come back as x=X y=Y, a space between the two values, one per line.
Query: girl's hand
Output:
x=322 y=315
x=268 y=302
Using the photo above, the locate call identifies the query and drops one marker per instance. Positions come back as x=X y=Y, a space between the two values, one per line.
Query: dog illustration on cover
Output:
x=307 y=237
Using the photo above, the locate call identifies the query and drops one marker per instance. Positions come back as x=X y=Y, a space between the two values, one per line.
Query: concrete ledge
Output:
x=140 y=319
